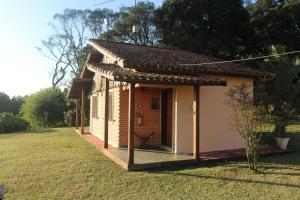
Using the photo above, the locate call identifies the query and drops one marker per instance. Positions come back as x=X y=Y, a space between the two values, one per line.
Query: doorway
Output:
x=166 y=117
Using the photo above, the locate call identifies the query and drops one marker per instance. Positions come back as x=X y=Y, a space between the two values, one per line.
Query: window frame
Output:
x=110 y=106
x=95 y=107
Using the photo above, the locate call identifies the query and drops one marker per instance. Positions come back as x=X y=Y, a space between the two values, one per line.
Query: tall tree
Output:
x=144 y=13
x=276 y=23
x=282 y=92
x=4 y=102
x=66 y=46
x=211 y=27
x=101 y=20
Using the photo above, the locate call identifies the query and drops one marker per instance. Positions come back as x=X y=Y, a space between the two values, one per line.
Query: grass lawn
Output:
x=59 y=164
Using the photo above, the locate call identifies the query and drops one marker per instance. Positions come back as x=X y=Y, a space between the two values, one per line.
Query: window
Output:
x=110 y=107
x=95 y=107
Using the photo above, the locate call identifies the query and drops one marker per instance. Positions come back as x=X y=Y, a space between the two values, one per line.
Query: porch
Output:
x=158 y=158
x=144 y=116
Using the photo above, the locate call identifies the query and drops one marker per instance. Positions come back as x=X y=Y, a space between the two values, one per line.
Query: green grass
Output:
x=59 y=164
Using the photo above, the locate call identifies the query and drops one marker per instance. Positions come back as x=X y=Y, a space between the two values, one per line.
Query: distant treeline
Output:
x=11 y=105
x=43 y=109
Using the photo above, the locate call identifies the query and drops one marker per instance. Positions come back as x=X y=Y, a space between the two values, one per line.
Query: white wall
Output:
x=114 y=126
x=97 y=125
x=184 y=117
x=215 y=131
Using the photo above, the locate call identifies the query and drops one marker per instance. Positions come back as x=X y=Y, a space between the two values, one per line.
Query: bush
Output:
x=11 y=123
x=44 y=108
x=248 y=120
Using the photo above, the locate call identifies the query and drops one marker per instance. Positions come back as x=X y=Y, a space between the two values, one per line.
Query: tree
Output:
x=276 y=23
x=282 y=92
x=4 y=102
x=211 y=27
x=145 y=16
x=44 y=108
x=66 y=46
x=16 y=103
x=101 y=21
x=248 y=120
x=11 y=105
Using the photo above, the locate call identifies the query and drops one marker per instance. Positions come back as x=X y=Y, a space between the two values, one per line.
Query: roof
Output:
x=76 y=87
x=116 y=73
x=168 y=61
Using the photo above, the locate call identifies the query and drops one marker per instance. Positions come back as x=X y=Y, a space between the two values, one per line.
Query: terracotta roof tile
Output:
x=117 y=73
x=167 y=61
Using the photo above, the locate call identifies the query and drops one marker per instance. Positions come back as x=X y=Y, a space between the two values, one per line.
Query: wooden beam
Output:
x=131 y=111
x=196 y=123
x=103 y=74
x=106 y=113
x=77 y=114
x=82 y=110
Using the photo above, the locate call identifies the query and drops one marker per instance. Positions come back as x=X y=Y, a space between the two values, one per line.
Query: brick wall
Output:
x=151 y=117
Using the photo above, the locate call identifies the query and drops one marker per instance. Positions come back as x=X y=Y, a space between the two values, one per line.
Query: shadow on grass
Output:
x=235 y=180
x=266 y=166
x=281 y=173
x=273 y=162
x=286 y=161
x=278 y=167
x=32 y=131
x=207 y=164
x=286 y=158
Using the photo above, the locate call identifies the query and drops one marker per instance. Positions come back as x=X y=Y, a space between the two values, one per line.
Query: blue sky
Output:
x=23 y=24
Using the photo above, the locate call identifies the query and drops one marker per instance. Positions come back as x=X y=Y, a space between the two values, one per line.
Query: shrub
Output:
x=44 y=108
x=248 y=120
x=11 y=123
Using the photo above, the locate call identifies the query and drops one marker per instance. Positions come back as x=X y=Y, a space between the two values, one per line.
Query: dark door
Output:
x=166 y=117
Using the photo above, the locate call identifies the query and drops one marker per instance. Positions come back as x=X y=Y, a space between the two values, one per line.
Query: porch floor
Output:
x=147 y=159
x=145 y=156
x=86 y=130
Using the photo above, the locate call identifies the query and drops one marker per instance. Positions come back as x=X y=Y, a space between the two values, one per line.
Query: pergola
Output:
x=112 y=72
x=78 y=92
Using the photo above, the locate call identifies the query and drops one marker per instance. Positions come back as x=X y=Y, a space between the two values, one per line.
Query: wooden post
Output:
x=131 y=111
x=196 y=123
x=77 y=105
x=82 y=109
x=106 y=113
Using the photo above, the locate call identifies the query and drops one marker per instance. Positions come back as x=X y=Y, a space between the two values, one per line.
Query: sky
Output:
x=23 y=24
